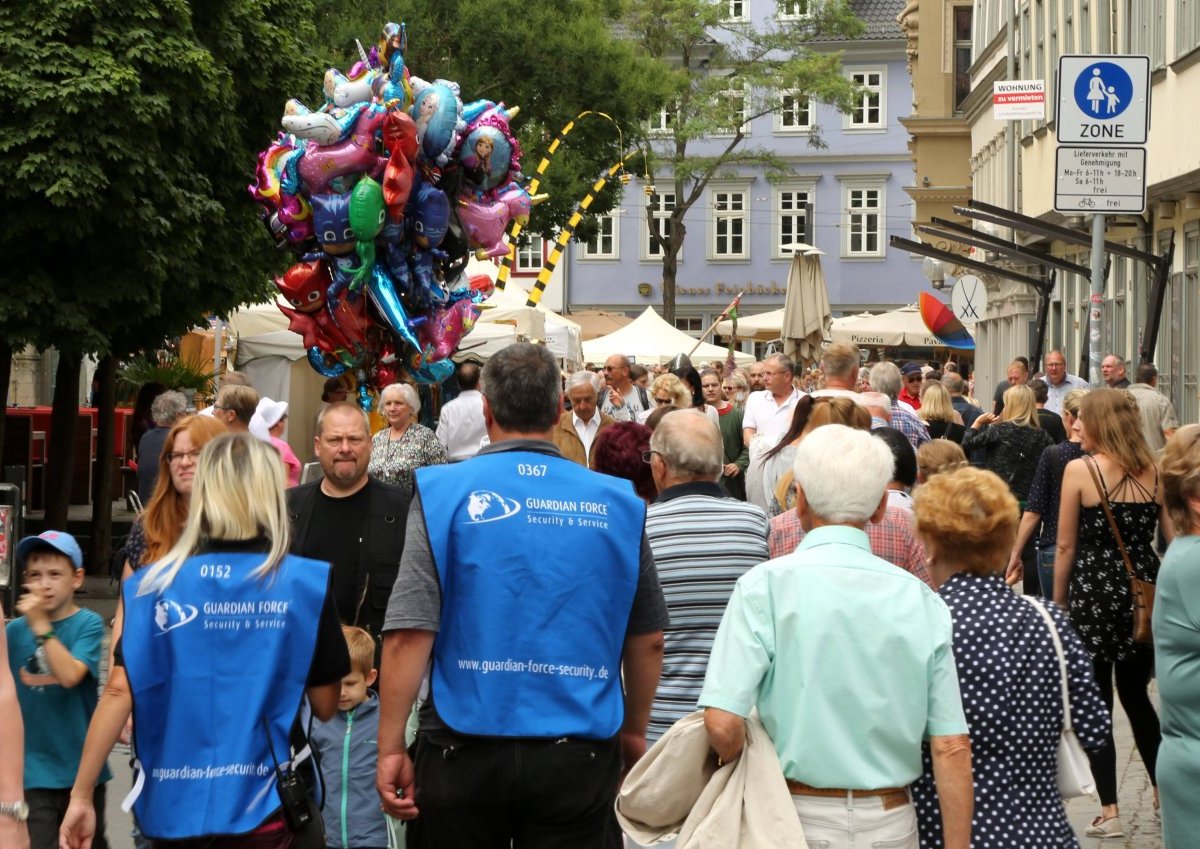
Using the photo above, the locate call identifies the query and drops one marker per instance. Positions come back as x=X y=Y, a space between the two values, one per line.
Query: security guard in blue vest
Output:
x=529 y=581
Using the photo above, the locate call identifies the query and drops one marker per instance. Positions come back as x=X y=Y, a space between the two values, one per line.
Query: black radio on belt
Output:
x=297 y=809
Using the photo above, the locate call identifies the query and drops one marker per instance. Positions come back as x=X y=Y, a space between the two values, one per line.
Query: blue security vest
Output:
x=207 y=660
x=538 y=563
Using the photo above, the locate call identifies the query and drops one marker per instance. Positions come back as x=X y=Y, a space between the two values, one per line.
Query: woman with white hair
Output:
x=405 y=445
x=226 y=637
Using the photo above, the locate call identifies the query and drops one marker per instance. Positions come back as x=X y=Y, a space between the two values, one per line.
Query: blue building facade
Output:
x=846 y=199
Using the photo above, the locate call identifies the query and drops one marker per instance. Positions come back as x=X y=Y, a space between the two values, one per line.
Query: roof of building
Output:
x=880 y=18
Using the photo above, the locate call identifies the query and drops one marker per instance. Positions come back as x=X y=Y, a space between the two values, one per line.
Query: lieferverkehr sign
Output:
x=1019 y=100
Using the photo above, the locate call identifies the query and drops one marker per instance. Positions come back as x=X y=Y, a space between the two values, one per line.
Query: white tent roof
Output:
x=483 y=341
x=763 y=327
x=898 y=327
x=648 y=339
x=262 y=332
x=507 y=306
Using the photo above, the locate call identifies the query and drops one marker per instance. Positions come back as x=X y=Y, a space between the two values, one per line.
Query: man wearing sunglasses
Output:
x=623 y=399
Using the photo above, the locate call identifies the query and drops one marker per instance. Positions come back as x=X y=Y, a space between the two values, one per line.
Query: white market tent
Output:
x=648 y=339
x=508 y=306
x=762 y=327
x=483 y=341
x=902 y=327
x=274 y=360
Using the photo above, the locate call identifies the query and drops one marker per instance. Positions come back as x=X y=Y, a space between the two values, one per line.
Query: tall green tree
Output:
x=128 y=134
x=722 y=75
x=551 y=59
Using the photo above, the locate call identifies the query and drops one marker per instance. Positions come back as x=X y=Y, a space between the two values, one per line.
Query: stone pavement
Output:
x=1142 y=830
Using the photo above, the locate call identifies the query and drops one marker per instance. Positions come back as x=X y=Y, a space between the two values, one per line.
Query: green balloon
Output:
x=367 y=214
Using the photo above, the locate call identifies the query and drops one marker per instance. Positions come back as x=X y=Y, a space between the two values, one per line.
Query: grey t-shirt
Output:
x=416 y=599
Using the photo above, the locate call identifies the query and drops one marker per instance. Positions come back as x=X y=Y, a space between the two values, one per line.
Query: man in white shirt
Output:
x=624 y=400
x=1059 y=382
x=460 y=426
x=766 y=418
x=769 y=412
x=577 y=429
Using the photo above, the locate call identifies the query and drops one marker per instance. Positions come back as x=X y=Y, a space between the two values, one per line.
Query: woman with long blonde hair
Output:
x=938 y=413
x=225 y=636
x=1091 y=576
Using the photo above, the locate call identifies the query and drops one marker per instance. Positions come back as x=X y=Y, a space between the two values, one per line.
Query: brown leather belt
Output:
x=893 y=797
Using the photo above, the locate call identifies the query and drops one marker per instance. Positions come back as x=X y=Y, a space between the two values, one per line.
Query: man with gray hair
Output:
x=703 y=541
x=530 y=585
x=579 y=426
x=1112 y=369
x=1159 y=421
x=955 y=385
x=839 y=363
x=165 y=410
x=885 y=378
x=820 y=639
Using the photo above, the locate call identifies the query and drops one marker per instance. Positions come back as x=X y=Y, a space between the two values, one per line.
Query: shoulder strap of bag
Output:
x=643 y=397
x=1062 y=660
x=1112 y=523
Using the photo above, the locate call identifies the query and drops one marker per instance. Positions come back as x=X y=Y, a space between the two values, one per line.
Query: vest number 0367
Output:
x=531 y=471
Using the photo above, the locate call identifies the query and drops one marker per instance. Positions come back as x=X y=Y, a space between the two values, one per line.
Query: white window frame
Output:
x=849 y=213
x=849 y=124
x=729 y=205
x=742 y=91
x=793 y=10
x=535 y=247
x=794 y=129
x=735 y=11
x=586 y=253
x=778 y=213
x=649 y=251
x=661 y=123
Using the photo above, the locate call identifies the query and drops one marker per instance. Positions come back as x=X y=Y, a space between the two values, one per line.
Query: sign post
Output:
x=1102 y=101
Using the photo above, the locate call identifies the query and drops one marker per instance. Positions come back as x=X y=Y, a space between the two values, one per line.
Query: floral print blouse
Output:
x=396 y=460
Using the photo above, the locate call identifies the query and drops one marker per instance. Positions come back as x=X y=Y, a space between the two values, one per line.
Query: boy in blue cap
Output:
x=54 y=651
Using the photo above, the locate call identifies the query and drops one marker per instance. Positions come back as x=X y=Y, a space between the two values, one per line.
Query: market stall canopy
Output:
x=763 y=327
x=648 y=339
x=507 y=306
x=596 y=323
x=484 y=341
x=899 y=328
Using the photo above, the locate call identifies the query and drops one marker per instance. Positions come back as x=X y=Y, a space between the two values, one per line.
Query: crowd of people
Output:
x=801 y=591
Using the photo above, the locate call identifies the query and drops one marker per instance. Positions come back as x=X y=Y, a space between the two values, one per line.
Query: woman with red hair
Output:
x=618 y=452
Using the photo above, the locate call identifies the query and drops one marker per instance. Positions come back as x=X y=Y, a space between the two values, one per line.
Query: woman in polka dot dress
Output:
x=1008 y=671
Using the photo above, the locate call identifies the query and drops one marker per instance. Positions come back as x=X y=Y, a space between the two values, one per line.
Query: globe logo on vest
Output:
x=169 y=615
x=483 y=505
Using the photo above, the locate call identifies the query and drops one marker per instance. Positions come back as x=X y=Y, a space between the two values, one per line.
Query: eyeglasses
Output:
x=658 y=400
x=647 y=454
x=180 y=456
x=914 y=378
x=218 y=408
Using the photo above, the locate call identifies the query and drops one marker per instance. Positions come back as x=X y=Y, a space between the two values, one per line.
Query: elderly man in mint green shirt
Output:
x=848 y=660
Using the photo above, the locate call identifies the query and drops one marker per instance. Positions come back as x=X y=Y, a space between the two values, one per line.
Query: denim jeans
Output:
x=850 y=823
x=1045 y=569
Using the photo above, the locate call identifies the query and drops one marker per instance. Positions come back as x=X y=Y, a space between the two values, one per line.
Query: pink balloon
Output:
x=322 y=164
x=445 y=328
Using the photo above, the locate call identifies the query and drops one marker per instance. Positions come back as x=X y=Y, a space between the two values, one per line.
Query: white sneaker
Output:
x=1104 y=828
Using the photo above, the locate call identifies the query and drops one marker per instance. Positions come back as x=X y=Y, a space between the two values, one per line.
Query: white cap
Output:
x=268 y=414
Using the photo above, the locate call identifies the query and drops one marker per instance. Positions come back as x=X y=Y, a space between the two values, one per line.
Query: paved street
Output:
x=1137 y=800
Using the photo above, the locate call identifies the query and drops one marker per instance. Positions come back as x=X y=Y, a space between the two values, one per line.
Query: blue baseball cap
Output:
x=60 y=541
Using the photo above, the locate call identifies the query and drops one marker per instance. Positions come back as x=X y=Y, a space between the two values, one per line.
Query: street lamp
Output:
x=935 y=270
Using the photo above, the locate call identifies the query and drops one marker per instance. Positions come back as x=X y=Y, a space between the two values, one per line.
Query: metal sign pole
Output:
x=1096 y=308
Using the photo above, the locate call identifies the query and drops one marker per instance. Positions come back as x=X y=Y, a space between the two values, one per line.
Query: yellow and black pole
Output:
x=564 y=235
x=514 y=229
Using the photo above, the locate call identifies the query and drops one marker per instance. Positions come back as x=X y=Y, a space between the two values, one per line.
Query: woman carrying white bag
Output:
x=1011 y=667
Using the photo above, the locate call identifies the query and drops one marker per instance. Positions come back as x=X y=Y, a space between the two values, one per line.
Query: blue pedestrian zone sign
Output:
x=1103 y=100
x=1103 y=91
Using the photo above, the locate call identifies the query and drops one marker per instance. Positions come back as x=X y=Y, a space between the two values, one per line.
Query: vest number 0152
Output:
x=531 y=471
x=214 y=570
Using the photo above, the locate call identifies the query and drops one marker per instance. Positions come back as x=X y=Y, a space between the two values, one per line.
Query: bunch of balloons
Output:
x=382 y=193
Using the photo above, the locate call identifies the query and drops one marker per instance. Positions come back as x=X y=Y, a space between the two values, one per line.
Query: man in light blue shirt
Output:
x=1059 y=381
x=848 y=661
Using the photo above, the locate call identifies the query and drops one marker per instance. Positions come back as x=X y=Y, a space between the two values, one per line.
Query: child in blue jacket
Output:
x=347 y=747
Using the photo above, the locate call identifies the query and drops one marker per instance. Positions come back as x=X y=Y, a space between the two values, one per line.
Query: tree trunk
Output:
x=6 y=358
x=102 y=486
x=60 y=452
x=670 y=266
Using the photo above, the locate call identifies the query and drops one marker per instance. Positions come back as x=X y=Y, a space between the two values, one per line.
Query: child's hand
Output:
x=33 y=608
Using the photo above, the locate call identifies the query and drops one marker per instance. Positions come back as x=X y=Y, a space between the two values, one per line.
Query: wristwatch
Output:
x=17 y=810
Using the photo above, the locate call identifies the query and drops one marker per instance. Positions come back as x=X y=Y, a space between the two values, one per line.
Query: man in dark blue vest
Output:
x=529 y=581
